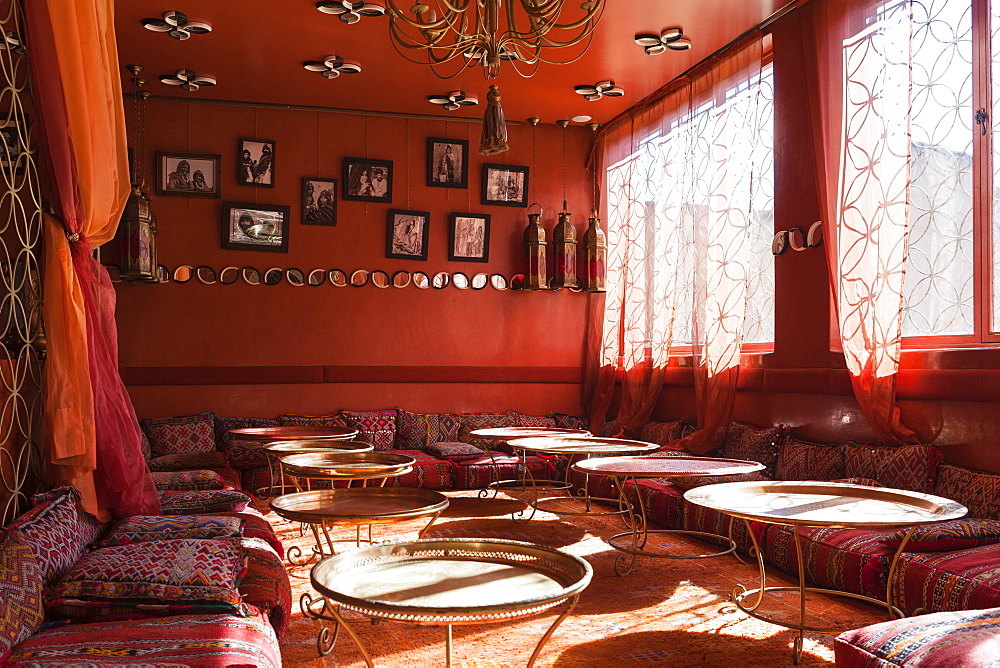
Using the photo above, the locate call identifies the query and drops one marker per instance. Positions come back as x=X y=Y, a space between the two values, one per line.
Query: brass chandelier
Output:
x=491 y=32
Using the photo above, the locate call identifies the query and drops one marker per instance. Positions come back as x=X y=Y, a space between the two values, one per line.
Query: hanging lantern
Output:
x=534 y=254
x=564 y=252
x=138 y=234
x=595 y=256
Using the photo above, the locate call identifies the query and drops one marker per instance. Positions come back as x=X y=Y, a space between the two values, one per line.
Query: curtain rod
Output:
x=331 y=110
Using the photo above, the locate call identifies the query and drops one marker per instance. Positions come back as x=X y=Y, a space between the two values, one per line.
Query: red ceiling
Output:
x=256 y=50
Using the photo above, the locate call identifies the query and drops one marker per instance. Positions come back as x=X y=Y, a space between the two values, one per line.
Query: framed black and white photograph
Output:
x=505 y=185
x=251 y=226
x=256 y=163
x=11 y=146
x=447 y=163
x=319 y=201
x=367 y=180
x=406 y=235
x=469 y=237
x=188 y=174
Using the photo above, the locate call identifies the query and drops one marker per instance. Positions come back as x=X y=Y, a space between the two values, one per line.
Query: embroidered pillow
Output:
x=979 y=492
x=145 y=528
x=185 y=480
x=948 y=536
x=172 y=435
x=564 y=421
x=536 y=421
x=375 y=427
x=912 y=467
x=473 y=421
x=661 y=433
x=224 y=424
x=611 y=430
x=54 y=532
x=244 y=455
x=90 y=527
x=292 y=420
x=188 y=460
x=147 y=449
x=754 y=444
x=454 y=451
x=21 y=609
x=415 y=431
x=152 y=578
x=197 y=502
x=800 y=460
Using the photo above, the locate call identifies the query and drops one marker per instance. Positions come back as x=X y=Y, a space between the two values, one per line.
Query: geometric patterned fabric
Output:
x=661 y=433
x=536 y=421
x=186 y=480
x=799 y=460
x=175 y=435
x=979 y=492
x=224 y=424
x=292 y=420
x=187 y=460
x=145 y=528
x=911 y=467
x=416 y=431
x=168 y=575
x=473 y=421
x=744 y=441
x=244 y=455
x=207 y=501
x=428 y=472
x=453 y=451
x=375 y=427
x=565 y=421
x=55 y=533
x=21 y=610
x=937 y=581
x=948 y=536
x=265 y=585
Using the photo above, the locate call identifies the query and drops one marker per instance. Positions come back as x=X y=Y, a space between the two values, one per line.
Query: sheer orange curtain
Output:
x=860 y=110
x=91 y=432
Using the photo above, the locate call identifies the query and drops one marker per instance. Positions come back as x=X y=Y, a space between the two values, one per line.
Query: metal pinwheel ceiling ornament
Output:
x=177 y=25
x=669 y=38
x=350 y=11
x=453 y=100
x=332 y=67
x=187 y=80
x=600 y=89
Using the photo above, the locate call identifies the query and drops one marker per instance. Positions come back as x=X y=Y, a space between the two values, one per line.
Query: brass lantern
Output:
x=564 y=252
x=595 y=256
x=138 y=234
x=534 y=254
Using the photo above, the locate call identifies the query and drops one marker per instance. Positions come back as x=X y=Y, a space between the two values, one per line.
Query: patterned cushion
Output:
x=536 y=421
x=293 y=420
x=564 y=421
x=690 y=482
x=429 y=472
x=204 y=501
x=979 y=492
x=90 y=527
x=21 y=610
x=185 y=480
x=454 y=451
x=910 y=467
x=147 y=449
x=478 y=473
x=55 y=532
x=611 y=429
x=966 y=638
x=172 y=435
x=661 y=433
x=243 y=455
x=415 y=431
x=473 y=421
x=946 y=536
x=187 y=460
x=937 y=581
x=186 y=640
x=375 y=427
x=755 y=444
x=800 y=460
x=224 y=424
x=265 y=584
x=155 y=577
x=145 y=528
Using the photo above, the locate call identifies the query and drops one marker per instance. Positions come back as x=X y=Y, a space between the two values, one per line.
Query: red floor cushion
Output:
x=265 y=583
x=478 y=473
x=21 y=609
x=944 y=581
x=187 y=460
x=145 y=528
x=416 y=431
x=187 y=480
x=173 y=435
x=428 y=472
x=195 y=502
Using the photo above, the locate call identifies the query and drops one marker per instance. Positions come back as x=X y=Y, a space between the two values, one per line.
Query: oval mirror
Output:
x=206 y=274
x=251 y=275
x=421 y=280
x=273 y=276
x=183 y=273
x=498 y=281
x=400 y=279
x=162 y=273
x=114 y=272
x=229 y=275
x=480 y=281
x=380 y=279
x=441 y=280
x=359 y=278
x=338 y=278
x=460 y=280
x=517 y=282
x=316 y=277
x=295 y=277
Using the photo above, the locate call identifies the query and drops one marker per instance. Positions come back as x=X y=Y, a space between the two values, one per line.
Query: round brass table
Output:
x=499 y=435
x=442 y=582
x=626 y=470
x=348 y=466
x=820 y=504
x=358 y=506
x=278 y=449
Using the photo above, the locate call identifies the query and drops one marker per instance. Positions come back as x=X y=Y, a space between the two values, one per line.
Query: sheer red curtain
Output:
x=860 y=108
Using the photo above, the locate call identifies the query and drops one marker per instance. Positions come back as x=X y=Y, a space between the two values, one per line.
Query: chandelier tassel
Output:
x=494 y=139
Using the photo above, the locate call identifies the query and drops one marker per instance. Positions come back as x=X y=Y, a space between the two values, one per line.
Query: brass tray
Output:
x=359 y=505
x=345 y=464
x=282 y=448
x=666 y=467
x=293 y=433
x=581 y=445
x=504 y=433
x=451 y=581
x=825 y=504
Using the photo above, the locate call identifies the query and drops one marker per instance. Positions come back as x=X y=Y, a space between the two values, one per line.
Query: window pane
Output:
x=995 y=124
x=939 y=271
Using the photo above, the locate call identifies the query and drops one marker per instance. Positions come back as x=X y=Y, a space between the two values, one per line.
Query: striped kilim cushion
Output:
x=294 y=420
x=203 y=501
x=145 y=528
x=21 y=610
x=428 y=472
x=55 y=532
x=454 y=451
x=265 y=585
x=938 y=581
x=473 y=421
x=799 y=460
x=545 y=421
x=187 y=480
x=189 y=433
x=948 y=536
x=184 y=640
x=478 y=473
x=416 y=431
x=187 y=460
x=375 y=427
x=912 y=467
x=243 y=455
x=979 y=492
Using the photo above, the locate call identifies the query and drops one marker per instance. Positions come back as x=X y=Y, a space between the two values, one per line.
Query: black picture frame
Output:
x=362 y=175
x=319 y=201
x=171 y=180
x=256 y=227
x=255 y=162
x=469 y=237
x=505 y=185
x=447 y=163
x=11 y=146
x=402 y=240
